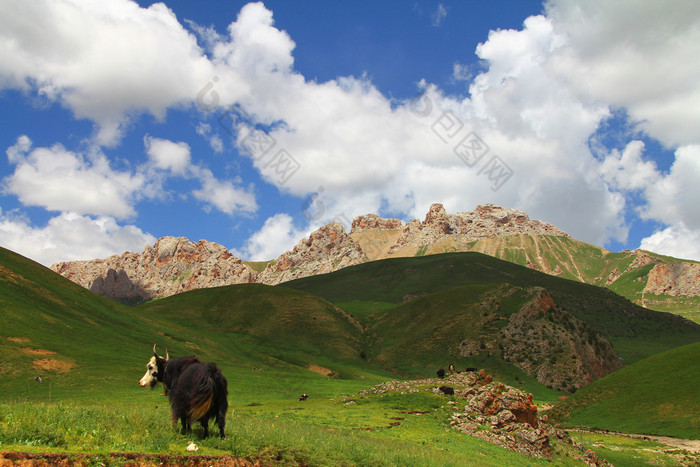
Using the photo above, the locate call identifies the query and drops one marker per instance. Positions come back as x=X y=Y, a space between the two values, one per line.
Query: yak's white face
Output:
x=150 y=378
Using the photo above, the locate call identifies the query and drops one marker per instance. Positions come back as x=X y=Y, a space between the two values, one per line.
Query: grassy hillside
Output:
x=512 y=331
x=272 y=345
x=572 y=259
x=373 y=287
x=563 y=257
x=275 y=318
x=656 y=395
x=90 y=352
x=51 y=326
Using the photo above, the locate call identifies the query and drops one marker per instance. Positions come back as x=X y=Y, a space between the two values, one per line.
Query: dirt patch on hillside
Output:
x=31 y=351
x=11 y=276
x=691 y=445
x=7 y=370
x=26 y=459
x=320 y=369
x=52 y=364
x=90 y=321
x=19 y=340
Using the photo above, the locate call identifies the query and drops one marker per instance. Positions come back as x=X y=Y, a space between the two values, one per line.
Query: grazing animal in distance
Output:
x=452 y=368
x=441 y=373
x=198 y=391
x=470 y=369
x=303 y=397
x=447 y=390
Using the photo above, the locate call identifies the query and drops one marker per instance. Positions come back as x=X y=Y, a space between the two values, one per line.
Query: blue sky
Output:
x=252 y=124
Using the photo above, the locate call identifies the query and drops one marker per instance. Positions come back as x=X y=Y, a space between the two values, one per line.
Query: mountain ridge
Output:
x=176 y=265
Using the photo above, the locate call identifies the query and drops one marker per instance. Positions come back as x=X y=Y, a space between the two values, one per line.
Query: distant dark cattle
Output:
x=447 y=390
x=441 y=373
x=470 y=369
x=303 y=397
x=197 y=390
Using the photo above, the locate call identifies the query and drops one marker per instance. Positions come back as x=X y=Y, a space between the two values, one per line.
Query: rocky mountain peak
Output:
x=436 y=214
x=176 y=264
x=374 y=222
x=327 y=249
x=172 y=265
x=441 y=232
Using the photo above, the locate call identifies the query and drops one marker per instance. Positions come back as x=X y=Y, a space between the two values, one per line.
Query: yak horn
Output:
x=166 y=355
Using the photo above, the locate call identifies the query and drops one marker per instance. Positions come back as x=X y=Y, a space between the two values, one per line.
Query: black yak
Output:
x=441 y=373
x=447 y=390
x=197 y=390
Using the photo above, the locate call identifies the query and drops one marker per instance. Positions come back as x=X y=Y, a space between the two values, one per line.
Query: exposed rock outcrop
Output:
x=171 y=266
x=551 y=344
x=326 y=250
x=488 y=410
x=175 y=265
x=374 y=222
x=676 y=279
x=441 y=231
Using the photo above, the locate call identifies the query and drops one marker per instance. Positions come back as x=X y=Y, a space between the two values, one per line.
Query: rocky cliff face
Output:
x=171 y=266
x=441 y=232
x=372 y=237
x=551 y=344
x=326 y=250
x=676 y=279
x=176 y=265
x=374 y=222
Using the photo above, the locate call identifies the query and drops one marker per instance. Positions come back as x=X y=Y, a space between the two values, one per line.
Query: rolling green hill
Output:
x=51 y=326
x=84 y=343
x=626 y=273
x=272 y=343
x=656 y=395
x=277 y=317
x=372 y=288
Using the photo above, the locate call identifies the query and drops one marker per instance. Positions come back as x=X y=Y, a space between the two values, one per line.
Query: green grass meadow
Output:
x=273 y=344
x=658 y=395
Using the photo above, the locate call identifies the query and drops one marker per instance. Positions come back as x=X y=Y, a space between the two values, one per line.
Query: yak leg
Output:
x=221 y=421
x=186 y=427
x=205 y=425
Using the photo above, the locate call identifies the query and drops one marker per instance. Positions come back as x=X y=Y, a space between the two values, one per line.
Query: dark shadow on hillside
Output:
x=118 y=286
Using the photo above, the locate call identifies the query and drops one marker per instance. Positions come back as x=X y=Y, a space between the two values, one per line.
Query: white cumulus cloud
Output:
x=61 y=180
x=276 y=236
x=70 y=236
x=103 y=60
x=521 y=138
x=628 y=170
x=677 y=240
x=224 y=195
x=675 y=197
x=636 y=54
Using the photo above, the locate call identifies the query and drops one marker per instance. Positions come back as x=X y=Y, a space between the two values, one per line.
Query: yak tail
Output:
x=201 y=408
x=205 y=391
